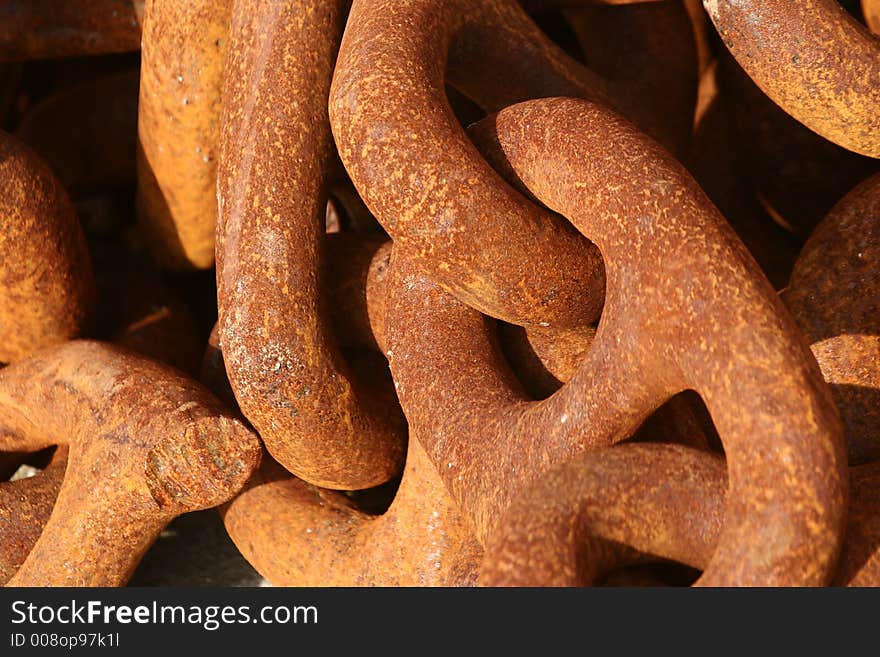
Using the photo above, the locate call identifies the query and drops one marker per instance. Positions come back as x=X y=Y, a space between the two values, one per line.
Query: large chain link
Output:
x=558 y=351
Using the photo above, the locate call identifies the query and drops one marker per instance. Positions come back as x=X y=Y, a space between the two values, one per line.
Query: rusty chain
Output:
x=551 y=292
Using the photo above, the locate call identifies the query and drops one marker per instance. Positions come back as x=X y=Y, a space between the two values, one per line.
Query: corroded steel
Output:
x=871 y=11
x=39 y=29
x=395 y=130
x=296 y=534
x=184 y=51
x=47 y=293
x=146 y=444
x=813 y=59
x=546 y=360
x=25 y=507
x=285 y=365
x=664 y=329
x=834 y=294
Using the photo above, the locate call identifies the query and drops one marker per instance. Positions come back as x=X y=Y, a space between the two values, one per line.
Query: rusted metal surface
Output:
x=614 y=497
x=834 y=295
x=25 y=508
x=88 y=135
x=664 y=500
x=642 y=503
x=40 y=29
x=655 y=339
x=871 y=11
x=287 y=370
x=296 y=534
x=648 y=55
x=529 y=267
x=813 y=59
x=47 y=292
x=184 y=48
x=548 y=359
x=667 y=501
x=145 y=445
x=544 y=359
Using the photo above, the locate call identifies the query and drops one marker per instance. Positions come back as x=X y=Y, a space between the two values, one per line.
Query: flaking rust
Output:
x=669 y=324
x=184 y=51
x=47 y=291
x=793 y=51
x=547 y=359
x=315 y=415
x=145 y=444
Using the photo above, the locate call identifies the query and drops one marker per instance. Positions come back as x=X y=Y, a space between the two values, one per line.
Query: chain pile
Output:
x=556 y=292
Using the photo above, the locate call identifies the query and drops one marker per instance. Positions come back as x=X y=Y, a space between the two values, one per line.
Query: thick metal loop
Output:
x=47 y=292
x=146 y=444
x=678 y=315
x=25 y=508
x=668 y=501
x=296 y=534
x=395 y=130
x=40 y=29
x=784 y=47
x=661 y=502
x=184 y=50
x=834 y=295
x=665 y=500
x=557 y=284
x=284 y=363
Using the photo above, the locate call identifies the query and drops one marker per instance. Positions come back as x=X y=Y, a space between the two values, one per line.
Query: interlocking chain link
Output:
x=505 y=293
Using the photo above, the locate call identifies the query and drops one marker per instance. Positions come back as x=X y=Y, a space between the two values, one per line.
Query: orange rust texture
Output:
x=25 y=507
x=481 y=239
x=620 y=306
x=667 y=501
x=663 y=330
x=813 y=59
x=40 y=29
x=88 y=134
x=647 y=53
x=145 y=445
x=871 y=11
x=47 y=291
x=184 y=48
x=296 y=534
x=544 y=359
x=662 y=502
x=314 y=414
x=834 y=295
